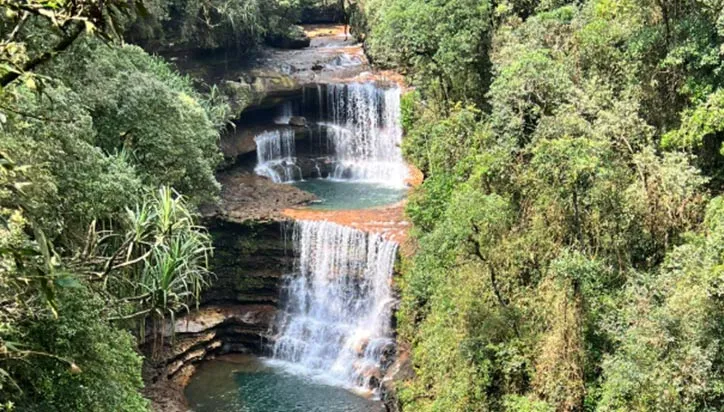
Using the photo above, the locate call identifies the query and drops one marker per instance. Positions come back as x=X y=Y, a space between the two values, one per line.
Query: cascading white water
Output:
x=275 y=155
x=366 y=133
x=286 y=111
x=336 y=321
x=363 y=136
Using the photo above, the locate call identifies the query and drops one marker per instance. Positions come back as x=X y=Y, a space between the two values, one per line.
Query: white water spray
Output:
x=367 y=134
x=336 y=321
x=364 y=136
x=275 y=155
x=286 y=112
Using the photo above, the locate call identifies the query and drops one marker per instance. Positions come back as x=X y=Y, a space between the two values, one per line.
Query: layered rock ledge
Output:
x=236 y=313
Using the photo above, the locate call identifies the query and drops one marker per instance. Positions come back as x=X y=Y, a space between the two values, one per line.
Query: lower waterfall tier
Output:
x=337 y=305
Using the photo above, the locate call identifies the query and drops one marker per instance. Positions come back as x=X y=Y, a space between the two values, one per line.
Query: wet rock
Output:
x=270 y=87
x=360 y=346
x=401 y=370
x=298 y=121
x=315 y=167
x=246 y=197
x=317 y=63
x=249 y=261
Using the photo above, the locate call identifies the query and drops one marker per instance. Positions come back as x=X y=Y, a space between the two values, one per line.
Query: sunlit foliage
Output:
x=105 y=151
x=563 y=261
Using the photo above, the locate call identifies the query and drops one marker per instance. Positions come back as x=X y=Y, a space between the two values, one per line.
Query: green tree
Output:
x=443 y=44
x=104 y=371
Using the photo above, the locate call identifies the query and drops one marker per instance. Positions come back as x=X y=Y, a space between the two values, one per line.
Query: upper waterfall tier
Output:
x=367 y=140
x=336 y=320
x=359 y=134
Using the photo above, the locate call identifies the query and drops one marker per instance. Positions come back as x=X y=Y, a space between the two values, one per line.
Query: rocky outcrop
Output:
x=258 y=89
x=239 y=95
x=271 y=88
x=248 y=197
x=236 y=314
x=211 y=331
x=399 y=371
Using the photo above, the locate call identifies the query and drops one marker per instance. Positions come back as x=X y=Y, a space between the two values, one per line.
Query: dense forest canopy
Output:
x=568 y=237
x=105 y=153
x=568 y=252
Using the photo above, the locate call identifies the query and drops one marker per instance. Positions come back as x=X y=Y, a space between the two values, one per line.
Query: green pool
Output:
x=350 y=195
x=244 y=383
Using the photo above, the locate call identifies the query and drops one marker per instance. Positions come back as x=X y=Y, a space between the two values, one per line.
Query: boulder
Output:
x=298 y=121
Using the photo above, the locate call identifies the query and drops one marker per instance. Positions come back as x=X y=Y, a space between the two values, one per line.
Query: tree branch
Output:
x=493 y=276
x=18 y=27
x=75 y=31
x=131 y=316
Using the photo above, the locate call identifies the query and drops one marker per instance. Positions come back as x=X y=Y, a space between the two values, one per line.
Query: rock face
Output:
x=236 y=313
x=249 y=261
x=271 y=88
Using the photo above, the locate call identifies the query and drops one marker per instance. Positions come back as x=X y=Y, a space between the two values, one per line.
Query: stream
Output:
x=332 y=338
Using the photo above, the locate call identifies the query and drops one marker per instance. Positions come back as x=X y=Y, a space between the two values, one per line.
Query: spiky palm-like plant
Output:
x=164 y=264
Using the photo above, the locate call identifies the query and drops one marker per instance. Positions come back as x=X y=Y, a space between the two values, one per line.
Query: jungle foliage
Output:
x=568 y=234
x=568 y=231
x=232 y=25
x=105 y=153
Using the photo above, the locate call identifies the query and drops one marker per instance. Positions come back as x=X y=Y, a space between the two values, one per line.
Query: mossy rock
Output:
x=240 y=95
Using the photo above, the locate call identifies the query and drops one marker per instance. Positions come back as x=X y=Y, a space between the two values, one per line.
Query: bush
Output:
x=94 y=366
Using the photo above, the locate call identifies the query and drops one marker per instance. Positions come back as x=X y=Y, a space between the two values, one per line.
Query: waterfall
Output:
x=366 y=133
x=363 y=136
x=275 y=155
x=336 y=320
x=286 y=111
